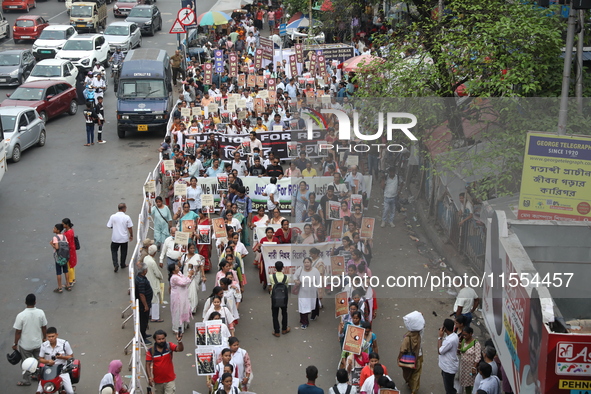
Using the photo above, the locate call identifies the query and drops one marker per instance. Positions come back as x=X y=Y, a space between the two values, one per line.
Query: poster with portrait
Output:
x=219 y=228
x=168 y=167
x=200 y=334
x=188 y=226
x=337 y=265
x=180 y=193
x=205 y=360
x=272 y=96
x=214 y=333
x=241 y=103
x=150 y=190
x=189 y=147
x=181 y=241
x=222 y=181
x=241 y=79
x=367 y=226
x=356 y=199
x=207 y=203
x=353 y=339
x=260 y=81
x=334 y=210
x=251 y=81
x=336 y=229
x=341 y=305
x=212 y=108
x=246 y=146
x=292 y=149
x=203 y=235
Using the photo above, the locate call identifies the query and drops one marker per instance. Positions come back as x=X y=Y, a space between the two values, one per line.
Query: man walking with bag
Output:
x=279 y=297
x=31 y=332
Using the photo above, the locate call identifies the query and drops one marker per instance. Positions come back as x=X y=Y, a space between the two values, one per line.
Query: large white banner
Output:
x=293 y=255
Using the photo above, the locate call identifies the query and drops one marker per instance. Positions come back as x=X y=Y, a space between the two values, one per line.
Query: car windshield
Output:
x=142 y=88
x=140 y=12
x=117 y=31
x=78 y=45
x=127 y=1
x=81 y=11
x=27 y=94
x=46 y=71
x=24 y=23
x=52 y=35
x=8 y=122
x=9 y=60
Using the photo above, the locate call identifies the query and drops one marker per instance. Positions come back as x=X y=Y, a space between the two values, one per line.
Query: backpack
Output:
x=63 y=250
x=279 y=294
x=336 y=391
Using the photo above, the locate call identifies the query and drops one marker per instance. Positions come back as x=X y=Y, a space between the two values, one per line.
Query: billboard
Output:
x=556 y=178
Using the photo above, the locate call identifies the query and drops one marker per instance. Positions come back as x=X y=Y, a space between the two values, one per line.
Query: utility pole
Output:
x=311 y=20
x=579 y=85
x=568 y=57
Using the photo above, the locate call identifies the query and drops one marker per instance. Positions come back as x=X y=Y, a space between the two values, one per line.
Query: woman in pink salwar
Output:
x=180 y=306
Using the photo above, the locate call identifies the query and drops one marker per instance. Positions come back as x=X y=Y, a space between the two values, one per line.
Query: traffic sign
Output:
x=283 y=29
x=177 y=28
x=186 y=16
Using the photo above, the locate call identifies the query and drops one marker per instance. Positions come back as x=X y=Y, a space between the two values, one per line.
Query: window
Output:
x=25 y=23
x=133 y=28
x=50 y=91
x=70 y=32
x=100 y=41
x=22 y=121
x=60 y=88
x=31 y=116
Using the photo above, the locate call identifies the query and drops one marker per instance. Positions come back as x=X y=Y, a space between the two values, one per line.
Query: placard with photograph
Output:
x=251 y=81
x=222 y=181
x=200 y=334
x=188 y=226
x=150 y=190
x=205 y=360
x=341 y=305
x=336 y=229
x=180 y=192
x=352 y=160
x=207 y=203
x=181 y=241
x=367 y=226
x=334 y=210
x=168 y=167
x=241 y=79
x=203 y=235
x=356 y=199
x=241 y=103
x=292 y=149
x=219 y=228
x=353 y=339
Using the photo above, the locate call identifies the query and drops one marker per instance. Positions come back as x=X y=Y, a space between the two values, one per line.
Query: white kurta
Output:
x=308 y=292
x=197 y=261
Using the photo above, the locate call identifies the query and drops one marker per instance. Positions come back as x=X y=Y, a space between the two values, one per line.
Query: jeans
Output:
x=389 y=209
x=448 y=382
x=89 y=133
x=275 y=313
x=144 y=318
x=468 y=318
x=114 y=248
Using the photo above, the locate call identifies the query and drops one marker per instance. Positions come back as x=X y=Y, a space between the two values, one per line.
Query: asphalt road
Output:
x=66 y=179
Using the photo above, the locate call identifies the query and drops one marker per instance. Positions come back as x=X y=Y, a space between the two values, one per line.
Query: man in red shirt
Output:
x=159 y=366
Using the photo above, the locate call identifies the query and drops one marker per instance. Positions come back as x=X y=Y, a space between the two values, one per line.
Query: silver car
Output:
x=124 y=35
x=23 y=128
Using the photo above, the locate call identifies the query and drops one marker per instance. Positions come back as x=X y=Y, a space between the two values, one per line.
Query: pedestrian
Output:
x=90 y=118
x=342 y=387
x=488 y=356
x=490 y=383
x=466 y=303
x=469 y=357
x=71 y=237
x=59 y=243
x=390 y=186
x=159 y=366
x=162 y=217
x=412 y=344
x=176 y=63
x=154 y=276
x=370 y=386
x=447 y=348
x=112 y=379
x=143 y=293
x=56 y=351
x=30 y=333
x=310 y=387
x=367 y=371
x=122 y=227
x=241 y=362
x=306 y=279
x=279 y=298
x=100 y=113
x=180 y=306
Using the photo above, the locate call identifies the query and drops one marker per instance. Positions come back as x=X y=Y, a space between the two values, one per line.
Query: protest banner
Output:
x=353 y=339
x=207 y=73
x=367 y=226
x=218 y=61
x=233 y=60
x=203 y=235
x=341 y=304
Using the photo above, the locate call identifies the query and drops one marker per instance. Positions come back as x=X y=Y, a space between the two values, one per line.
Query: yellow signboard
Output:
x=556 y=178
x=574 y=384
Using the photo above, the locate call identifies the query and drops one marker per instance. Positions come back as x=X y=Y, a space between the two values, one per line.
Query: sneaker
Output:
x=314 y=318
x=102 y=142
x=147 y=342
x=383 y=224
x=392 y=224
x=304 y=326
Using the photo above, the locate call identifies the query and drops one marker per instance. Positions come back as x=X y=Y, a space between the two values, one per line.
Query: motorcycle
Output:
x=115 y=72
x=50 y=376
x=89 y=95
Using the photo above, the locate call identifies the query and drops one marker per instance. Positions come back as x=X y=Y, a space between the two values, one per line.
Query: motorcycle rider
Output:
x=117 y=58
x=98 y=82
x=56 y=351
x=98 y=68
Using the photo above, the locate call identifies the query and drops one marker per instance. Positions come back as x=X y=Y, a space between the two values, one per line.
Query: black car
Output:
x=15 y=66
x=147 y=17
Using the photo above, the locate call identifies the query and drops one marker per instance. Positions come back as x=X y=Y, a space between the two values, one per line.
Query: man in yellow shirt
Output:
x=309 y=171
x=279 y=277
x=260 y=126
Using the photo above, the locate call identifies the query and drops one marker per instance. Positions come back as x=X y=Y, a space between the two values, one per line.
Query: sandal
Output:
x=86 y=144
x=58 y=290
x=68 y=288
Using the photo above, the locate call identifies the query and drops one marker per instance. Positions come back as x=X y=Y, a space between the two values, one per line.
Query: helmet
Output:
x=14 y=357
x=118 y=49
x=90 y=73
x=30 y=365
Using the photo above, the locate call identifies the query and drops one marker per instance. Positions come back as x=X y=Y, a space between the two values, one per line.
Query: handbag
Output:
x=76 y=242
x=407 y=360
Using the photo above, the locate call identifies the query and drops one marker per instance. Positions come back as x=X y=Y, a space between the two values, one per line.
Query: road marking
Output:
x=55 y=16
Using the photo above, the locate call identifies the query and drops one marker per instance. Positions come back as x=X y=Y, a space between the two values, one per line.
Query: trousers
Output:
x=114 y=249
x=275 y=314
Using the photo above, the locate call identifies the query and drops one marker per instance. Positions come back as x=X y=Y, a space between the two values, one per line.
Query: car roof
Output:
x=45 y=83
x=13 y=51
x=10 y=110
x=32 y=17
x=53 y=62
x=58 y=27
x=87 y=36
x=121 y=23
x=145 y=6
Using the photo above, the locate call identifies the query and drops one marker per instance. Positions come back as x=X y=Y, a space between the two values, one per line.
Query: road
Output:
x=66 y=179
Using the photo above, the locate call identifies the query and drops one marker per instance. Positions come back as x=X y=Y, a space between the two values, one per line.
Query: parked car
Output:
x=55 y=70
x=124 y=35
x=122 y=7
x=147 y=17
x=49 y=98
x=23 y=128
x=28 y=27
x=15 y=66
x=4 y=26
x=51 y=40
x=18 y=5
x=84 y=50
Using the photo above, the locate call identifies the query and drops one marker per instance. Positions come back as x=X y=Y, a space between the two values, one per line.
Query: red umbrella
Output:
x=364 y=60
x=295 y=17
x=327 y=6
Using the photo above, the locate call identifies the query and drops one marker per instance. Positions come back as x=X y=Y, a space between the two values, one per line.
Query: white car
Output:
x=54 y=69
x=52 y=39
x=124 y=35
x=84 y=50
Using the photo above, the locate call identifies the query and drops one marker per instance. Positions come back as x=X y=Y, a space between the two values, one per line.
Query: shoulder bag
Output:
x=407 y=359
